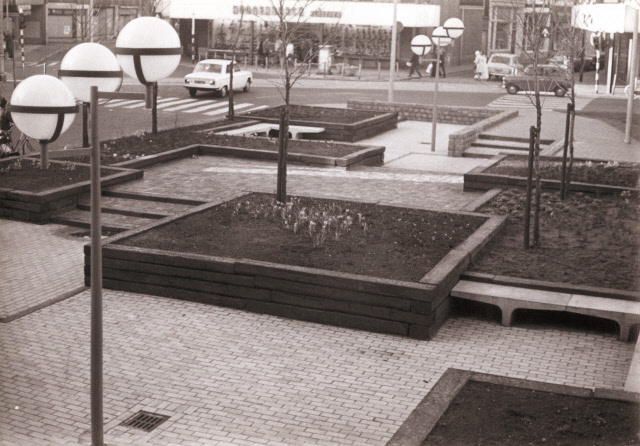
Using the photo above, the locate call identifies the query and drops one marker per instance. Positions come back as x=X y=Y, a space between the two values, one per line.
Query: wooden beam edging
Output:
x=447 y=271
x=419 y=424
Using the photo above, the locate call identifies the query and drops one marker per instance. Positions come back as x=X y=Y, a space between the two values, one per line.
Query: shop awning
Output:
x=329 y=12
x=603 y=17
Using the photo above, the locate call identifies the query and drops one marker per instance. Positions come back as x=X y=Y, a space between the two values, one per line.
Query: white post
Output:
x=632 y=80
x=597 y=70
x=193 y=38
x=434 y=113
x=609 y=69
x=392 y=56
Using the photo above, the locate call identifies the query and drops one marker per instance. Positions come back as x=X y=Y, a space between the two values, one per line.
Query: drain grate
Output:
x=146 y=421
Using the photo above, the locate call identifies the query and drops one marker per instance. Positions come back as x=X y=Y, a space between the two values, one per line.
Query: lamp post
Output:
x=43 y=108
x=89 y=64
x=442 y=36
x=148 y=49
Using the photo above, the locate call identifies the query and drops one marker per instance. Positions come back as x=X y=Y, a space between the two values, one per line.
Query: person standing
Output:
x=443 y=71
x=415 y=65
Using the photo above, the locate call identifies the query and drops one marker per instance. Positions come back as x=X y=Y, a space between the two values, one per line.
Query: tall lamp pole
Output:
x=442 y=36
x=633 y=76
x=392 y=56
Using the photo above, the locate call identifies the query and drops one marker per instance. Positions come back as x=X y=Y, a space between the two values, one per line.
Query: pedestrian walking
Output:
x=443 y=71
x=414 y=65
x=260 y=51
x=482 y=71
x=8 y=37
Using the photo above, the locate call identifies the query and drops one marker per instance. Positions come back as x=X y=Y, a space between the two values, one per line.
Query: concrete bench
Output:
x=296 y=131
x=509 y=299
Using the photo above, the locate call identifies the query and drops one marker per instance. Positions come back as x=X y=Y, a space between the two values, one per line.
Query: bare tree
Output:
x=234 y=45
x=152 y=8
x=289 y=31
x=539 y=23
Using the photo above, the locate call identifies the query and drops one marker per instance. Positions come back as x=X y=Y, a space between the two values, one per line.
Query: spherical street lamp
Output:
x=440 y=36
x=148 y=48
x=43 y=108
x=421 y=45
x=454 y=27
x=90 y=64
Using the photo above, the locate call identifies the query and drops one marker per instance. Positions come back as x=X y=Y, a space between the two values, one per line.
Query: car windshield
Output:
x=208 y=68
x=500 y=59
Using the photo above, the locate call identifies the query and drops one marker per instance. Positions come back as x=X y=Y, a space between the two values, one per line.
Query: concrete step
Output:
x=110 y=222
x=488 y=152
x=512 y=139
x=134 y=207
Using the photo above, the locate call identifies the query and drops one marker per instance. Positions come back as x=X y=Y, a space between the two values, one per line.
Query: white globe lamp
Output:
x=89 y=64
x=148 y=48
x=421 y=45
x=43 y=107
x=440 y=36
x=454 y=27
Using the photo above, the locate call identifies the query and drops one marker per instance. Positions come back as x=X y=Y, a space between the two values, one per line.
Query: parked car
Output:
x=213 y=75
x=550 y=78
x=589 y=61
x=503 y=64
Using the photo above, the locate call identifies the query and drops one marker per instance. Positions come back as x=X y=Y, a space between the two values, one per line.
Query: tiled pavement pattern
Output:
x=37 y=264
x=229 y=377
x=203 y=178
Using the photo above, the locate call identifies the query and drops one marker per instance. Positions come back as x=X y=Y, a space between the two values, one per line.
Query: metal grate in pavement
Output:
x=146 y=421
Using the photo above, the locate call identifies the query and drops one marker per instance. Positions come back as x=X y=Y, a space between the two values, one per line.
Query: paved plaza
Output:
x=230 y=377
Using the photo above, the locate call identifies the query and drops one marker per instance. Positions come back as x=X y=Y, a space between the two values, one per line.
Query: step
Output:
x=133 y=207
x=501 y=145
x=110 y=222
x=486 y=152
x=512 y=138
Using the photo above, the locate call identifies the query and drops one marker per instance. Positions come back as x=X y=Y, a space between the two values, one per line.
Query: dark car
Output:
x=550 y=78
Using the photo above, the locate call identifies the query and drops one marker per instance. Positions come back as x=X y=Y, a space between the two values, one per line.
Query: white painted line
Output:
x=218 y=112
x=255 y=108
x=207 y=107
x=169 y=104
x=182 y=107
x=124 y=103
x=142 y=103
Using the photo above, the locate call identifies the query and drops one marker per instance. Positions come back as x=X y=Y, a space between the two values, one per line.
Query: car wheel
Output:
x=559 y=91
x=223 y=91
x=512 y=89
x=192 y=92
x=247 y=86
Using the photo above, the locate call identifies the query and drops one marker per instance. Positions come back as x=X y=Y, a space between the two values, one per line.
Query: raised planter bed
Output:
x=42 y=206
x=339 y=124
x=414 y=309
x=482 y=178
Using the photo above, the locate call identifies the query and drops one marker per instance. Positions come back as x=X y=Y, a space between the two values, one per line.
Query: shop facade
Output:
x=360 y=32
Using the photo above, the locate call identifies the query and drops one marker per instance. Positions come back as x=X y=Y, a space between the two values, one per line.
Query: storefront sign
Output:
x=292 y=12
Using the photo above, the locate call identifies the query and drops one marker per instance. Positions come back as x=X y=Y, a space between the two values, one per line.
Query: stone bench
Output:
x=509 y=299
x=296 y=131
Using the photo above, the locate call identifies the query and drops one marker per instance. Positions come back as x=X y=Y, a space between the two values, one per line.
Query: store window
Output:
x=502 y=29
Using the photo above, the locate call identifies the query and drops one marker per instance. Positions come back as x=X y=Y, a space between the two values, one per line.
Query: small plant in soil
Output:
x=320 y=221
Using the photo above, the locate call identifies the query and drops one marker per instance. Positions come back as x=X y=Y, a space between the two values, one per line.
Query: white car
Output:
x=213 y=75
x=503 y=64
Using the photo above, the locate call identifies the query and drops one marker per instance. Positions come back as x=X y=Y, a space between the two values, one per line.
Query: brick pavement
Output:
x=231 y=377
x=39 y=265
x=205 y=177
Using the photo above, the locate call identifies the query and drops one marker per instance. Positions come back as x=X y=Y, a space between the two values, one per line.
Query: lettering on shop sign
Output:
x=265 y=10
x=288 y=12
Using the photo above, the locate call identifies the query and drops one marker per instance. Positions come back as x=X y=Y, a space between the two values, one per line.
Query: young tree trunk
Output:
x=283 y=138
x=231 y=114
x=536 y=212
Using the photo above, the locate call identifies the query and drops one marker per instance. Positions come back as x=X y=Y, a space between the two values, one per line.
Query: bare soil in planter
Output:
x=319 y=114
x=136 y=146
x=398 y=243
x=611 y=174
x=492 y=414
x=584 y=240
x=26 y=175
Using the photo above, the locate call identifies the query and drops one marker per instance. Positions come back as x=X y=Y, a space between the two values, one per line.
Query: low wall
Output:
x=478 y=119
x=413 y=309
